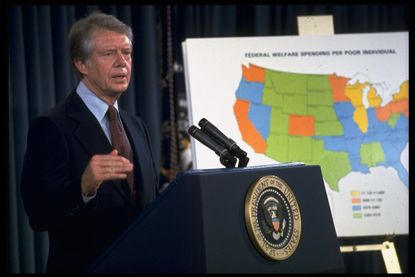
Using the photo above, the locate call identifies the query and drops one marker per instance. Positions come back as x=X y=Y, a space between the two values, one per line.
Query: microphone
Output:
x=231 y=145
x=225 y=157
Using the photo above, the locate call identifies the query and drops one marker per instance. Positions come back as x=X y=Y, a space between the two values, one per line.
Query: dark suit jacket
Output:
x=60 y=144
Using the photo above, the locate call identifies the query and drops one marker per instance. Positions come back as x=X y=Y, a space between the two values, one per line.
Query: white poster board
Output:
x=338 y=101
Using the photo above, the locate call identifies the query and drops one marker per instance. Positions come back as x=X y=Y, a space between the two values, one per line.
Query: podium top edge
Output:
x=239 y=169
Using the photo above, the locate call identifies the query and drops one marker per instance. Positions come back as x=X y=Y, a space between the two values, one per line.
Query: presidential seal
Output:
x=273 y=218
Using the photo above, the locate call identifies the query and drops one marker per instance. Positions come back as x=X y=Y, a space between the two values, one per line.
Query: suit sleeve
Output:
x=49 y=197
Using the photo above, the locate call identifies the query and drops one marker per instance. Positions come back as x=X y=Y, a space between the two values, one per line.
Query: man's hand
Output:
x=102 y=168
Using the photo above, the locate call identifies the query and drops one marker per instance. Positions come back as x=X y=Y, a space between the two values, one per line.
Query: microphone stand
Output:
x=225 y=157
x=213 y=132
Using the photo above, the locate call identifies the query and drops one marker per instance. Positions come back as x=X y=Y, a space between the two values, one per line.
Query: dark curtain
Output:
x=40 y=75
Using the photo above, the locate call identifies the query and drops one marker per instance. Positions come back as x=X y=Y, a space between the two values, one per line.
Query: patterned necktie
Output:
x=121 y=143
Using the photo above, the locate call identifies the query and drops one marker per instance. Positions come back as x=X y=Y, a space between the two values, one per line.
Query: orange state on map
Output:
x=253 y=73
x=338 y=85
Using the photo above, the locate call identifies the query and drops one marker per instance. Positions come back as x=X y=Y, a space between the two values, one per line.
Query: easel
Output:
x=388 y=253
x=323 y=25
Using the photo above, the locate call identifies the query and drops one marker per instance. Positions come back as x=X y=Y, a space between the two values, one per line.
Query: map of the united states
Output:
x=322 y=119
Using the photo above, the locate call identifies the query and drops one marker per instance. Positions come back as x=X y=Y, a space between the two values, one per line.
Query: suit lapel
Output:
x=89 y=132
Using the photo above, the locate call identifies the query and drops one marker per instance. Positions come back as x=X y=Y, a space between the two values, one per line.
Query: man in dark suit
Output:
x=74 y=183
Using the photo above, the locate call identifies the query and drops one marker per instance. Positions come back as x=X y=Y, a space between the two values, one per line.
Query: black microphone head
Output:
x=211 y=129
x=192 y=130
x=203 y=122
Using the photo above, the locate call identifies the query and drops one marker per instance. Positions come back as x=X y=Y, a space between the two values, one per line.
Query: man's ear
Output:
x=81 y=66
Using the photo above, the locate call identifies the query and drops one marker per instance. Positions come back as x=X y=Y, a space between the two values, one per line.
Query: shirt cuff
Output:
x=88 y=198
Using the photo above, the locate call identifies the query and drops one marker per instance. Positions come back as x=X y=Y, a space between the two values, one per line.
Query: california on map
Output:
x=341 y=123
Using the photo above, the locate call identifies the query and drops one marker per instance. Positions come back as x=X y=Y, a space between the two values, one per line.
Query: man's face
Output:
x=107 y=72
